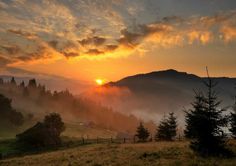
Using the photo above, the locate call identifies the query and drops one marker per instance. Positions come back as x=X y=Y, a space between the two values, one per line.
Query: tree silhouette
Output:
x=233 y=120
x=142 y=133
x=13 y=82
x=44 y=134
x=8 y=113
x=172 y=125
x=32 y=83
x=22 y=84
x=167 y=128
x=204 y=123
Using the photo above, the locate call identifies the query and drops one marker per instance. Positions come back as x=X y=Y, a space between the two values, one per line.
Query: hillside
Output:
x=158 y=153
x=82 y=116
x=154 y=94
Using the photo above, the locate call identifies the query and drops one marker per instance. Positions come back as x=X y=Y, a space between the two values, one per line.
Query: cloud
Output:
x=229 y=33
x=94 y=52
x=23 y=34
x=95 y=40
x=11 y=49
x=32 y=31
x=53 y=43
x=3 y=61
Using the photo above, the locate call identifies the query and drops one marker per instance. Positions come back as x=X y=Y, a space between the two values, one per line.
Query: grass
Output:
x=140 y=154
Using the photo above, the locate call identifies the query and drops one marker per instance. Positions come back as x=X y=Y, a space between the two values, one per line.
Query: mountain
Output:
x=151 y=95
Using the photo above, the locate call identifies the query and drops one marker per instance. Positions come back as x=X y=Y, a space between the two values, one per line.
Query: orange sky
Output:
x=118 y=38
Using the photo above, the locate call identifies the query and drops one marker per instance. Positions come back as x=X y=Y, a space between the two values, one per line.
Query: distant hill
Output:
x=53 y=82
x=151 y=95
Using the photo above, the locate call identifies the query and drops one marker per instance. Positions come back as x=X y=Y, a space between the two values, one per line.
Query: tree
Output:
x=13 y=82
x=8 y=113
x=142 y=133
x=44 y=134
x=54 y=123
x=204 y=123
x=172 y=125
x=167 y=128
x=233 y=123
x=22 y=84
x=32 y=83
x=233 y=120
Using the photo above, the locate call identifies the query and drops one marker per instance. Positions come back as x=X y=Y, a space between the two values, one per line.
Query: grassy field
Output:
x=140 y=154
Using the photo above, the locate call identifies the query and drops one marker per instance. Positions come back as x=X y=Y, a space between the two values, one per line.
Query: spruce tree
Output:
x=204 y=123
x=172 y=122
x=142 y=133
x=167 y=128
x=13 y=82
x=233 y=124
x=233 y=120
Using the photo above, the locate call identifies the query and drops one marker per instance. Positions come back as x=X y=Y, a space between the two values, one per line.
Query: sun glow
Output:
x=99 y=81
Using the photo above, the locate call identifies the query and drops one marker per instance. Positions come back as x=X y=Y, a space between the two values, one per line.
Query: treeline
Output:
x=206 y=124
x=35 y=98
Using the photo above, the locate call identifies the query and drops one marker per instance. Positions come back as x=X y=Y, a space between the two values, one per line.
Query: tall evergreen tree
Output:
x=204 y=123
x=167 y=128
x=233 y=120
x=13 y=82
x=172 y=122
x=32 y=83
x=142 y=133
x=22 y=84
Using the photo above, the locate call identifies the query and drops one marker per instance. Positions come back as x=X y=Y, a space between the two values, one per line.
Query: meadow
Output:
x=114 y=154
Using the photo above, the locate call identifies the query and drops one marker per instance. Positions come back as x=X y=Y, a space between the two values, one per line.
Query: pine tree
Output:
x=22 y=84
x=167 y=128
x=204 y=123
x=172 y=122
x=142 y=133
x=233 y=124
x=13 y=82
x=32 y=83
x=194 y=116
x=233 y=120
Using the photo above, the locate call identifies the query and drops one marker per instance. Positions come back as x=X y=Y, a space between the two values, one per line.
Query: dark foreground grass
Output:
x=158 y=153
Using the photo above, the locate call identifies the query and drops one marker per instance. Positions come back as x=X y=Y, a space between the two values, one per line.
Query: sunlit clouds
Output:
x=48 y=32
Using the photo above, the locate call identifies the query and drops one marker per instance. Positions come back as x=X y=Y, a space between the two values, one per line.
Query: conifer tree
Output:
x=204 y=123
x=167 y=128
x=233 y=120
x=172 y=122
x=13 y=82
x=142 y=133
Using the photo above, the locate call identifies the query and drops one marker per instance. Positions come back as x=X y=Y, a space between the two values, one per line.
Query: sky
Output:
x=111 y=39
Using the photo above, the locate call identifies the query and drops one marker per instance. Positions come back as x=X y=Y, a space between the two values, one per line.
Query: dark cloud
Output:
x=70 y=54
x=94 y=52
x=170 y=19
x=53 y=43
x=111 y=47
x=25 y=34
x=11 y=49
x=95 y=40
x=132 y=39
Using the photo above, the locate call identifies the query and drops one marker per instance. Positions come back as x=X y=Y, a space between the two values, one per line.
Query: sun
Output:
x=99 y=81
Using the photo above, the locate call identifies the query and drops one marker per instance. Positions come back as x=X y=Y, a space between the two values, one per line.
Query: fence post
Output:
x=124 y=140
